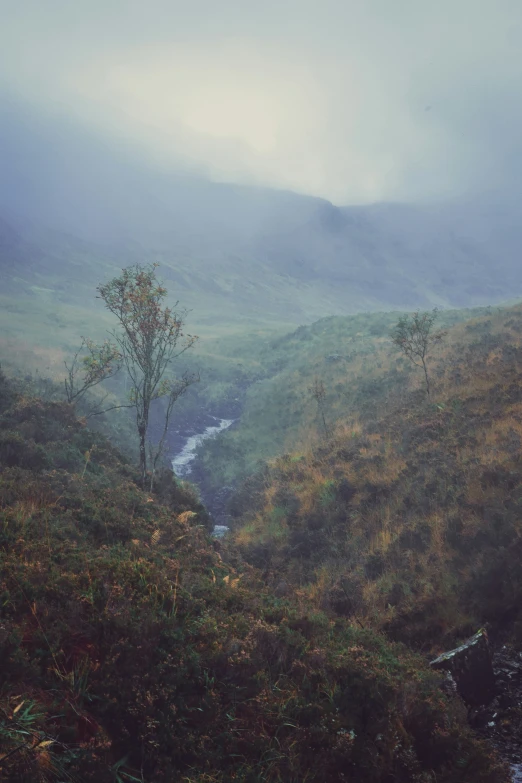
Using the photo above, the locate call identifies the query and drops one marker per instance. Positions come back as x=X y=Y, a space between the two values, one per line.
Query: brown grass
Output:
x=432 y=482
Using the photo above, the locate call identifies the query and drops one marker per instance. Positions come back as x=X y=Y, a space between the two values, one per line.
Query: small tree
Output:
x=150 y=336
x=318 y=392
x=414 y=335
x=90 y=365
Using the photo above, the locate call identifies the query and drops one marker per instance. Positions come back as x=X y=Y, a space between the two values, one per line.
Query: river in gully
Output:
x=184 y=446
x=183 y=462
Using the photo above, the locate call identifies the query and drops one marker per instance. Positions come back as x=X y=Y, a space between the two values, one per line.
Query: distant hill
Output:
x=237 y=255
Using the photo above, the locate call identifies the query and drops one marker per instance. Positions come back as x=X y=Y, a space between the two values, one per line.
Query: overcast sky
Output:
x=354 y=100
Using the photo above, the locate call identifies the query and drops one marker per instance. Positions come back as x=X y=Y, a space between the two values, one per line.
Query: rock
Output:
x=516 y=770
x=506 y=700
x=448 y=685
x=471 y=667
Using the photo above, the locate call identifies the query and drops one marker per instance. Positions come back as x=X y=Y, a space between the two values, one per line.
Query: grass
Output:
x=257 y=359
x=413 y=510
x=47 y=307
x=131 y=649
x=362 y=373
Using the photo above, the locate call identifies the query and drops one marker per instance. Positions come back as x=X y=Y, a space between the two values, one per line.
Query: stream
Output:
x=182 y=461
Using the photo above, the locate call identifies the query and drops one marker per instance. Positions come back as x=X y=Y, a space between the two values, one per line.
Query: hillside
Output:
x=408 y=518
x=241 y=258
x=131 y=650
x=362 y=372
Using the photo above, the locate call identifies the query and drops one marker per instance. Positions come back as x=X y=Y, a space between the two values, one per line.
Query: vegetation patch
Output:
x=131 y=650
x=407 y=519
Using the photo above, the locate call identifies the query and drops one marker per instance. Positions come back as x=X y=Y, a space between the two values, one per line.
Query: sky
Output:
x=353 y=100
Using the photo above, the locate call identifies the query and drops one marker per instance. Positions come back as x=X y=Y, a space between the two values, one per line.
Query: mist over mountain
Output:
x=259 y=253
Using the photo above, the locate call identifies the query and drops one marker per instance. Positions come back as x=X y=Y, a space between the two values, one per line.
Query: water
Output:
x=181 y=463
x=516 y=769
x=220 y=530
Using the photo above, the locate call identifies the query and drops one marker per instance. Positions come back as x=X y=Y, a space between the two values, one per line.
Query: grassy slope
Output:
x=44 y=313
x=48 y=299
x=409 y=518
x=130 y=650
x=361 y=370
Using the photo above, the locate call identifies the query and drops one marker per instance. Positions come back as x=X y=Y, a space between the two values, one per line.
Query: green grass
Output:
x=358 y=364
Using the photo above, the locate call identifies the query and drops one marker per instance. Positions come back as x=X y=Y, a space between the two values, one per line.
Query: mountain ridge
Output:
x=240 y=254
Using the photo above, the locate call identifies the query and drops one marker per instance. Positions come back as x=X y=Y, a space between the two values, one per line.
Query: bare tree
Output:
x=414 y=335
x=318 y=392
x=149 y=338
x=90 y=365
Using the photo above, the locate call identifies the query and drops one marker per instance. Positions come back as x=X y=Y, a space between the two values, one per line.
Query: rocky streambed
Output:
x=500 y=721
x=185 y=460
x=183 y=443
x=182 y=462
x=489 y=679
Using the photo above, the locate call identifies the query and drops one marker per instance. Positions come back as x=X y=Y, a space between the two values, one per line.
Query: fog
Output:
x=218 y=143
x=57 y=172
x=354 y=102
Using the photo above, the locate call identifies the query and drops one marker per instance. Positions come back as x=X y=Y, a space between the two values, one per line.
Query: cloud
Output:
x=349 y=100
